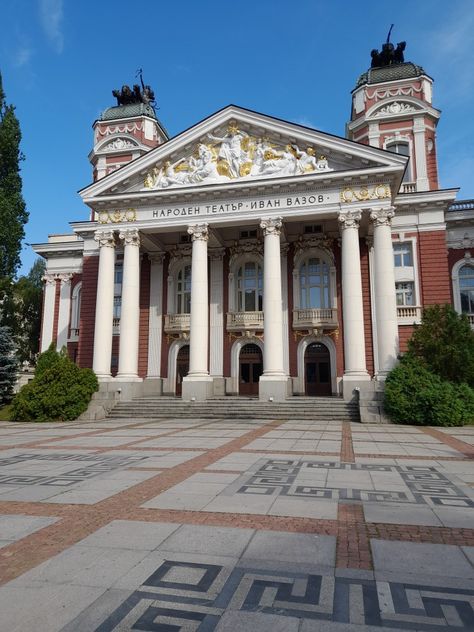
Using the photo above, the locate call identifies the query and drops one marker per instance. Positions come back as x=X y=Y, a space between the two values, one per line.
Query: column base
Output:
x=105 y=377
x=197 y=388
x=353 y=382
x=274 y=388
x=128 y=377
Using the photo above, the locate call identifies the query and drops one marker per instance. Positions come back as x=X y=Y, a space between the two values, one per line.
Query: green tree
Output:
x=8 y=365
x=444 y=342
x=28 y=296
x=13 y=214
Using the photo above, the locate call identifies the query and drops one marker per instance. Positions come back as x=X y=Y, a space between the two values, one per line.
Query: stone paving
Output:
x=227 y=526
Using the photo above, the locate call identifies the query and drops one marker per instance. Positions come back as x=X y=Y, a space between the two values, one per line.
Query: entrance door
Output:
x=317 y=370
x=250 y=369
x=182 y=368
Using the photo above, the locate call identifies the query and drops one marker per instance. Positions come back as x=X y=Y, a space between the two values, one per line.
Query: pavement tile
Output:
x=204 y=539
x=300 y=547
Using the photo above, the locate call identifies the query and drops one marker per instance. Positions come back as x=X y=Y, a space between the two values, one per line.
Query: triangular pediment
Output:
x=240 y=146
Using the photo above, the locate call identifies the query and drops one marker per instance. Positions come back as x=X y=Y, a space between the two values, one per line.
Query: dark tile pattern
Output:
x=423 y=485
x=190 y=596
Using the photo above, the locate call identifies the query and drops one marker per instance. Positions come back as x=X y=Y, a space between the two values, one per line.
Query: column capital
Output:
x=49 y=278
x=199 y=232
x=271 y=225
x=130 y=236
x=216 y=254
x=349 y=219
x=156 y=257
x=105 y=238
x=382 y=216
x=65 y=278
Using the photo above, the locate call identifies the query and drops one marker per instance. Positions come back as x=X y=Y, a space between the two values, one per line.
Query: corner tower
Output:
x=392 y=109
x=126 y=131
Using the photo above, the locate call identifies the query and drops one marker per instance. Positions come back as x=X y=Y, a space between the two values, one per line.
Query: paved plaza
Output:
x=201 y=525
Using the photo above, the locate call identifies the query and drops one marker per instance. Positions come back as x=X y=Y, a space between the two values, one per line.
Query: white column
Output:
x=156 y=316
x=284 y=302
x=130 y=310
x=384 y=290
x=274 y=381
x=197 y=384
x=419 y=134
x=48 y=310
x=64 y=310
x=352 y=306
x=104 y=308
x=216 y=314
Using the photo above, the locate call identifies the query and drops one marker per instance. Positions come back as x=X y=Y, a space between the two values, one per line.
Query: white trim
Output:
x=455 y=281
x=326 y=256
x=235 y=263
x=176 y=264
x=170 y=382
x=302 y=346
x=235 y=356
x=75 y=321
x=216 y=317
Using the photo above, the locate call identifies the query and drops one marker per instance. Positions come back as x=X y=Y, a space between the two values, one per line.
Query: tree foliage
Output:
x=13 y=214
x=60 y=390
x=444 y=342
x=8 y=365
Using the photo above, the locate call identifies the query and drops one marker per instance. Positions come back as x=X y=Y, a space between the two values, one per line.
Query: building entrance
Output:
x=317 y=370
x=182 y=368
x=250 y=369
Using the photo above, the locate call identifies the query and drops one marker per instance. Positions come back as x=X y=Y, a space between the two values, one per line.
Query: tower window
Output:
x=402 y=149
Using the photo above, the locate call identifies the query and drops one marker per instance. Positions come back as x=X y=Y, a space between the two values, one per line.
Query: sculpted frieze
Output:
x=235 y=156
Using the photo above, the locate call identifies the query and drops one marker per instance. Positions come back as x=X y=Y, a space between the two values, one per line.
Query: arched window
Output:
x=403 y=149
x=314 y=283
x=250 y=287
x=183 y=290
x=466 y=288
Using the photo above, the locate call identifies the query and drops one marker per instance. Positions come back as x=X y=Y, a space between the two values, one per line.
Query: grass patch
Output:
x=5 y=413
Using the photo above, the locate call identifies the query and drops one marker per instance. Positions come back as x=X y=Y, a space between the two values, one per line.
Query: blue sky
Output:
x=298 y=61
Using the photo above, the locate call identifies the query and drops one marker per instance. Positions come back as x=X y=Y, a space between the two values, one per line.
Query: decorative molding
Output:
x=119 y=144
x=271 y=225
x=405 y=91
x=363 y=193
x=253 y=248
x=156 y=257
x=105 y=238
x=117 y=216
x=65 y=278
x=382 y=216
x=120 y=129
x=397 y=107
x=199 y=232
x=50 y=278
x=349 y=219
x=130 y=236
x=216 y=254
x=306 y=243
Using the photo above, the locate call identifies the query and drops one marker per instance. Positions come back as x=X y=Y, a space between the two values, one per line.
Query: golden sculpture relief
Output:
x=117 y=216
x=364 y=193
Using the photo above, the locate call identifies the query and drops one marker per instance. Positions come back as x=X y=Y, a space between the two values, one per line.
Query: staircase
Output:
x=304 y=408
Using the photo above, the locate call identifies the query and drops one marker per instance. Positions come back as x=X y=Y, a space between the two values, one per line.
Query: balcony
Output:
x=177 y=323
x=408 y=314
x=245 y=321
x=408 y=187
x=314 y=318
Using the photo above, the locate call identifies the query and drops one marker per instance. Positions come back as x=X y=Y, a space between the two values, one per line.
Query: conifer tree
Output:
x=13 y=214
x=8 y=365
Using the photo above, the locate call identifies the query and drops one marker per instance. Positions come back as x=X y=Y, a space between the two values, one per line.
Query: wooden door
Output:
x=182 y=368
x=250 y=369
x=317 y=370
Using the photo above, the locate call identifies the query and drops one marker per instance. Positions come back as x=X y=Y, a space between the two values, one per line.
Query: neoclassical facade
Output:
x=256 y=257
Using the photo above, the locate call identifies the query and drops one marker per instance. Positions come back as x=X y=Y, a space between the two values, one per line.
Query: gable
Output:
x=237 y=145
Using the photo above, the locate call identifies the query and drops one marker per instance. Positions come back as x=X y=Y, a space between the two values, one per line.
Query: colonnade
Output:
x=273 y=382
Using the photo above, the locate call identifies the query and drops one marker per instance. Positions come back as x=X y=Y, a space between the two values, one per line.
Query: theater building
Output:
x=254 y=256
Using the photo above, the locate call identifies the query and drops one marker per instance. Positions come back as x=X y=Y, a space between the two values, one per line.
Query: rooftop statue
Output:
x=389 y=54
x=137 y=94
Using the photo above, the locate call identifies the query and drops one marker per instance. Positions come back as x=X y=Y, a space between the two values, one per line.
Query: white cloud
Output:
x=51 y=17
x=22 y=56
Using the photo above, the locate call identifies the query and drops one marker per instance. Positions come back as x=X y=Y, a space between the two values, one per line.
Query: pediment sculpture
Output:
x=234 y=156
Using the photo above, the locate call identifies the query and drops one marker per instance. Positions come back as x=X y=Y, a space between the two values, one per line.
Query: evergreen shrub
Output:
x=60 y=390
x=415 y=395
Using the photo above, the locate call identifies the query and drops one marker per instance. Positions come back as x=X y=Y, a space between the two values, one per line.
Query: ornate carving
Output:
x=363 y=193
x=382 y=216
x=130 y=236
x=105 y=238
x=121 y=129
x=119 y=143
x=49 y=278
x=216 y=254
x=305 y=243
x=396 y=107
x=65 y=278
x=349 y=219
x=386 y=93
x=245 y=248
x=199 y=232
x=117 y=216
x=271 y=226
x=235 y=155
x=156 y=257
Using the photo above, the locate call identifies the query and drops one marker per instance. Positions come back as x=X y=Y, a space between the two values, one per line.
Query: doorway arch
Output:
x=182 y=368
x=317 y=370
x=250 y=369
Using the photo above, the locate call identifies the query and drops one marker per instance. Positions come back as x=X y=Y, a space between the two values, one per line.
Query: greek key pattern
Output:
x=422 y=485
x=187 y=596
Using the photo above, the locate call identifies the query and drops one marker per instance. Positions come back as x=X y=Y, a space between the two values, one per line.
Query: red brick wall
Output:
x=144 y=317
x=165 y=347
x=434 y=272
x=90 y=269
x=57 y=299
x=364 y=269
x=404 y=334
